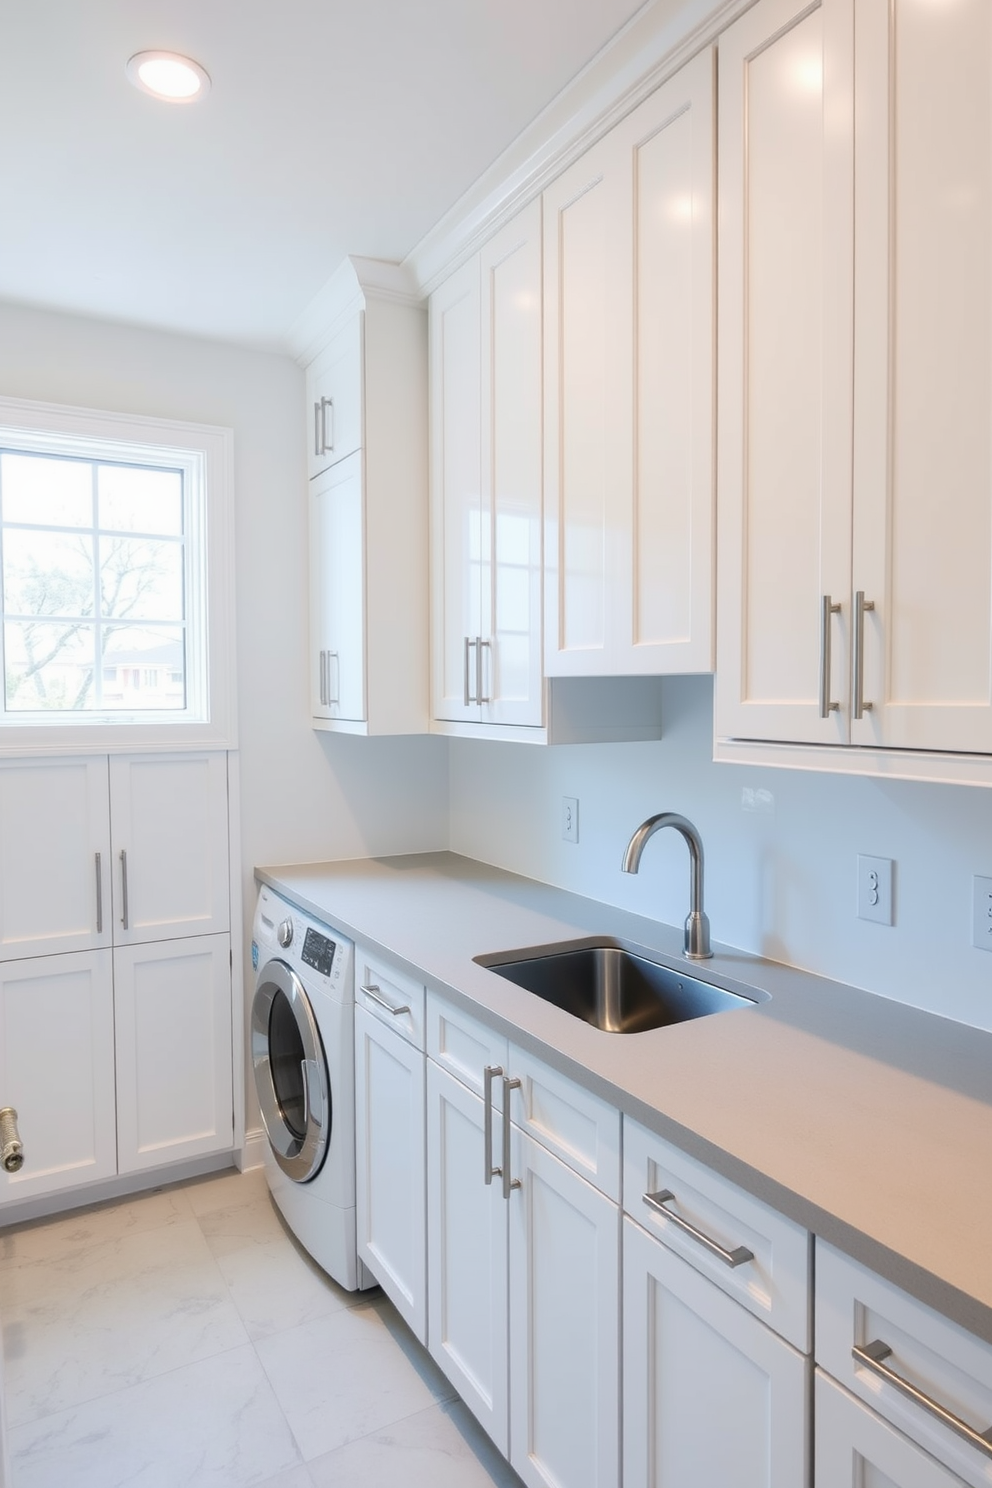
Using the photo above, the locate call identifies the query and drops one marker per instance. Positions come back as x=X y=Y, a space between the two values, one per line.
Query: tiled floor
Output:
x=182 y=1339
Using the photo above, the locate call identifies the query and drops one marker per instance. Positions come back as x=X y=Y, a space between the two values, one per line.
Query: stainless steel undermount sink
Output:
x=614 y=988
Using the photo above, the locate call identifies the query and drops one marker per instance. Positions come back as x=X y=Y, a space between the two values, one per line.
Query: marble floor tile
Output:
x=61 y=1235
x=213 y=1424
x=88 y=1322
x=275 y=1285
x=443 y=1447
x=340 y=1377
x=226 y=1190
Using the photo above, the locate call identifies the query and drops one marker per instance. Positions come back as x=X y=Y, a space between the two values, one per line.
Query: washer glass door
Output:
x=290 y=1072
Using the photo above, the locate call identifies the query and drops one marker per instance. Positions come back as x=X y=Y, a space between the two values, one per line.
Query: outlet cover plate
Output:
x=875 y=889
x=982 y=905
x=570 y=818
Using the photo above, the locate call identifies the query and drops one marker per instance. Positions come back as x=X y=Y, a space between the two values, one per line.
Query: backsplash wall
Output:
x=781 y=850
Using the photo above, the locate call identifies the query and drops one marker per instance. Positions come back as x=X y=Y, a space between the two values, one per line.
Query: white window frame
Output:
x=206 y=455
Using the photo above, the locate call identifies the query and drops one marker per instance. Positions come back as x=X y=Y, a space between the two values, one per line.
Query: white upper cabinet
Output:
x=856 y=378
x=55 y=863
x=367 y=431
x=486 y=483
x=628 y=290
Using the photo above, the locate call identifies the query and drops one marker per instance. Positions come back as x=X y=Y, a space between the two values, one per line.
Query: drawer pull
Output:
x=871 y=1356
x=731 y=1258
x=373 y=993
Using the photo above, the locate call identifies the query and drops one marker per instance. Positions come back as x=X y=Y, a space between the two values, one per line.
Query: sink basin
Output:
x=613 y=988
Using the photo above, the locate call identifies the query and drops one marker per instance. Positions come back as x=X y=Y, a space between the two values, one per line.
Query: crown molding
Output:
x=653 y=45
x=355 y=281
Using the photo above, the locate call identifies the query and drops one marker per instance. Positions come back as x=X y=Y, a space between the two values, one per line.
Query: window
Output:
x=115 y=586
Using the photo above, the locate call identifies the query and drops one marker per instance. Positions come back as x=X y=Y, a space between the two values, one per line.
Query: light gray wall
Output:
x=303 y=796
x=780 y=880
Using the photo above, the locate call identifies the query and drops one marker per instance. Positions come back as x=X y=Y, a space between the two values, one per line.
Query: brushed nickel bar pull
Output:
x=491 y=1071
x=871 y=1356
x=124 y=890
x=98 y=857
x=861 y=605
x=316 y=431
x=322 y=672
x=326 y=445
x=827 y=608
x=335 y=701
x=373 y=992
x=732 y=1258
x=468 y=699
x=508 y=1183
x=481 y=646
x=11 y=1150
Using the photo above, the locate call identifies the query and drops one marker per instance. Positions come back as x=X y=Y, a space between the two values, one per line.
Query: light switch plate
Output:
x=570 y=818
x=981 y=934
x=875 y=889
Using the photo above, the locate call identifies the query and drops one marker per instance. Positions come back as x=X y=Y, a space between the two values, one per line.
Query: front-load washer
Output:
x=303 y=1057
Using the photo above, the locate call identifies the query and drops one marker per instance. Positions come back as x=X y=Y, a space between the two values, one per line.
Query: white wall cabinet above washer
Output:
x=367 y=391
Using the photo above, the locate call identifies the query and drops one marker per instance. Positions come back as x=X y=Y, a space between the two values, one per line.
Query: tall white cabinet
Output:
x=115 y=964
x=856 y=376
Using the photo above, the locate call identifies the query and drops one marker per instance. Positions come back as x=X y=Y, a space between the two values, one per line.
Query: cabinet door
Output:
x=390 y=1166
x=564 y=1325
x=662 y=601
x=785 y=378
x=458 y=561
x=337 y=592
x=335 y=383
x=467 y=1253
x=512 y=455
x=857 y=1449
x=711 y=1395
x=923 y=372
x=54 y=856
x=172 y=1006
x=57 y=1070
x=587 y=404
x=169 y=831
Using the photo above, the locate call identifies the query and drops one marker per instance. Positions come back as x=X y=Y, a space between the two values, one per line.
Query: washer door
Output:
x=290 y=1072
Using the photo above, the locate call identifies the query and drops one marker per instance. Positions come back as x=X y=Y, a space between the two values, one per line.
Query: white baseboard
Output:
x=114 y=1188
x=253 y=1151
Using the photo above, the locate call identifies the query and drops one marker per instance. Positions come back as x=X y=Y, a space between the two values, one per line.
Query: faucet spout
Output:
x=696 y=940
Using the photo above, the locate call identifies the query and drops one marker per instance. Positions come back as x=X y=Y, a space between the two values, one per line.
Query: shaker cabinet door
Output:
x=337 y=593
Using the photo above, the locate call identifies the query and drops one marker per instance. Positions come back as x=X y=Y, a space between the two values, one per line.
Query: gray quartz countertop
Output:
x=865 y=1120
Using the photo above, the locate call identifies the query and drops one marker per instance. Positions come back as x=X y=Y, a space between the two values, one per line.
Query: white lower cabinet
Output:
x=564 y=1325
x=467 y=1254
x=855 y=1448
x=57 y=1070
x=390 y=1169
x=711 y=1395
x=172 y=1032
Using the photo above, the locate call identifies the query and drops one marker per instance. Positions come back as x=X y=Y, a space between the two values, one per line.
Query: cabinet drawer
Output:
x=774 y=1283
x=574 y=1124
x=855 y=1448
x=391 y=995
x=334 y=398
x=464 y=1046
x=856 y=1308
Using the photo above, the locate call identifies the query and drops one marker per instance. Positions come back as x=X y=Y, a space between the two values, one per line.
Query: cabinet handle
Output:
x=481 y=646
x=732 y=1258
x=508 y=1183
x=316 y=431
x=468 y=698
x=124 y=889
x=491 y=1071
x=323 y=678
x=871 y=1356
x=326 y=445
x=11 y=1150
x=98 y=858
x=335 y=701
x=827 y=608
x=373 y=993
x=860 y=606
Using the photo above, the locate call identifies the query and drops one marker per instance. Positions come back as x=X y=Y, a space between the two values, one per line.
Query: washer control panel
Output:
x=318 y=951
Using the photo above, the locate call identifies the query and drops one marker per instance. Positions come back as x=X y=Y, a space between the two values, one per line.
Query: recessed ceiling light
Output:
x=168 y=76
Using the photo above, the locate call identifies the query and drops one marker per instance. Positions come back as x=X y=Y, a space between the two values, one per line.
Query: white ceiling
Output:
x=332 y=127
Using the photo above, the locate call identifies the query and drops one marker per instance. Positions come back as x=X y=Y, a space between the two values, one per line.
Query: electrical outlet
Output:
x=981 y=934
x=875 y=889
x=570 y=818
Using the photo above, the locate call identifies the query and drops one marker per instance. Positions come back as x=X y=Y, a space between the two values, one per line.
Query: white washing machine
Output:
x=303 y=1056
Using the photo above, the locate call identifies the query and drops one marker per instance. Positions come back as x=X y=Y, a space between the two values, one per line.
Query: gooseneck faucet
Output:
x=696 y=941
